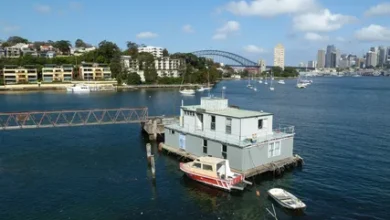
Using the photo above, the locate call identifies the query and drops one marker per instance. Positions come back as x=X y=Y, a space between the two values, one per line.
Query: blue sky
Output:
x=248 y=28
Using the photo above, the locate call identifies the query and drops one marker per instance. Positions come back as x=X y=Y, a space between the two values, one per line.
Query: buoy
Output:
x=257 y=193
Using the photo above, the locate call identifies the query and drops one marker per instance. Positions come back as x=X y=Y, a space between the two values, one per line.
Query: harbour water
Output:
x=100 y=172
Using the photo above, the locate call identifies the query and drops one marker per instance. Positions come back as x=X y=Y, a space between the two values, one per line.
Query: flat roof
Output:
x=229 y=112
x=212 y=160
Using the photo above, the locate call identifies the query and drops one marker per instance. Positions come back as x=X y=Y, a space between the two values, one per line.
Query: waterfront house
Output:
x=20 y=75
x=94 y=71
x=55 y=73
x=246 y=138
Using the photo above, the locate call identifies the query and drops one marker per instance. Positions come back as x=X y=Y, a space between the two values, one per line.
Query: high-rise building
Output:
x=382 y=55
x=262 y=65
x=321 y=59
x=279 y=56
x=330 y=58
x=312 y=64
x=371 y=59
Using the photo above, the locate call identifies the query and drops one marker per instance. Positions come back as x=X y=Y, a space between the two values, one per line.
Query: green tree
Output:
x=133 y=78
x=108 y=50
x=63 y=46
x=16 y=39
x=80 y=43
x=165 y=53
x=132 y=49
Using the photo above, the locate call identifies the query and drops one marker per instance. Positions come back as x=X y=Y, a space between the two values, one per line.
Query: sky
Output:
x=250 y=28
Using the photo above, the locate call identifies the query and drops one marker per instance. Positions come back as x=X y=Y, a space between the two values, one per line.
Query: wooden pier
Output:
x=277 y=167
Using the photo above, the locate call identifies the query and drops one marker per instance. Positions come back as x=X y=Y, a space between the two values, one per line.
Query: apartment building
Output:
x=20 y=75
x=165 y=66
x=55 y=73
x=12 y=52
x=156 y=51
x=95 y=71
x=279 y=56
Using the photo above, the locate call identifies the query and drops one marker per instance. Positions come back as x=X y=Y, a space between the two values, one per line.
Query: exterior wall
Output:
x=250 y=127
x=194 y=145
x=258 y=155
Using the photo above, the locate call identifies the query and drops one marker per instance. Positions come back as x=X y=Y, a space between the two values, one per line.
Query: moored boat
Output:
x=79 y=88
x=214 y=172
x=281 y=81
x=286 y=199
x=187 y=91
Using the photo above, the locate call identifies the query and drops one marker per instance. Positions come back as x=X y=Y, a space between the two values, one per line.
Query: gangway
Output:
x=69 y=118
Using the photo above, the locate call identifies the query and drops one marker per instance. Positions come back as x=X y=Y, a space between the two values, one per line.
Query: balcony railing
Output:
x=279 y=133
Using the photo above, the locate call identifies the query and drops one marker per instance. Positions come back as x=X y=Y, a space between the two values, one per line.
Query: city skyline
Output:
x=302 y=26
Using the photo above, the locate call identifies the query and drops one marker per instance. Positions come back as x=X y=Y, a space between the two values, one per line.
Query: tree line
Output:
x=193 y=69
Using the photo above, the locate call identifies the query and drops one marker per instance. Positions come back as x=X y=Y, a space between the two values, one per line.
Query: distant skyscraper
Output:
x=262 y=65
x=312 y=64
x=321 y=59
x=371 y=59
x=382 y=56
x=330 y=58
x=279 y=56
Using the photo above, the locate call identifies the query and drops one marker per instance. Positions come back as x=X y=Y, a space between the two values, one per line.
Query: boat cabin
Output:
x=213 y=167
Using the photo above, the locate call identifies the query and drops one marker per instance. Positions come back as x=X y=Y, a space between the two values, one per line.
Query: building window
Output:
x=260 y=124
x=205 y=143
x=274 y=149
x=224 y=151
x=205 y=146
x=228 y=125
x=207 y=167
x=172 y=131
x=213 y=122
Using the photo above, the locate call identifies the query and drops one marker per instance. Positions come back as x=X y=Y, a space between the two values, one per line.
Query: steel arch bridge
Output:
x=231 y=56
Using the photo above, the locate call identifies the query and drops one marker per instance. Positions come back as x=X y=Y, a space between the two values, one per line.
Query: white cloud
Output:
x=75 y=6
x=42 y=8
x=188 y=29
x=373 y=33
x=253 y=49
x=380 y=9
x=341 y=39
x=219 y=36
x=230 y=26
x=269 y=8
x=147 y=35
x=315 y=37
x=323 y=21
x=227 y=29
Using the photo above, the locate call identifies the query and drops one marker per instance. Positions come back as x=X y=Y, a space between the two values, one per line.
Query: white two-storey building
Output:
x=246 y=138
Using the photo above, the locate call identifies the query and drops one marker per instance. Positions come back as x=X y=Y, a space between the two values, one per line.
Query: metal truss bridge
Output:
x=69 y=118
x=239 y=61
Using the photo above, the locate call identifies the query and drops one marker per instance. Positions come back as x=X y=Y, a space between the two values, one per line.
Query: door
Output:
x=182 y=141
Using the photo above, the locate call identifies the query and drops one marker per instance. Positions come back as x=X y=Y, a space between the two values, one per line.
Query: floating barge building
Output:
x=246 y=138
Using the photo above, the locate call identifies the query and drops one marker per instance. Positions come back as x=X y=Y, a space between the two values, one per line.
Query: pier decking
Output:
x=276 y=167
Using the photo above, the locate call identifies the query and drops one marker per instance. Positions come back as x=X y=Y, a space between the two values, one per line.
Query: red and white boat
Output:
x=214 y=172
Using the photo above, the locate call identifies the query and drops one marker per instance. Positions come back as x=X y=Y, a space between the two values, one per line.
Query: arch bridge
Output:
x=239 y=60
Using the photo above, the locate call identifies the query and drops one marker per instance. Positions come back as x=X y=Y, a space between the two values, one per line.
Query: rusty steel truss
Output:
x=68 y=118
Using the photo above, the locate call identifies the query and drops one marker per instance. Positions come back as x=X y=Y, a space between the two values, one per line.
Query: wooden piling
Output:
x=153 y=166
x=148 y=151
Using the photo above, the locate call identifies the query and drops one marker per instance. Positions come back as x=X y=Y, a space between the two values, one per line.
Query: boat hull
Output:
x=301 y=206
x=227 y=185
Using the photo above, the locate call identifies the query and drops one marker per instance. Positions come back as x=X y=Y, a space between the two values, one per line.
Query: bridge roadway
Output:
x=69 y=118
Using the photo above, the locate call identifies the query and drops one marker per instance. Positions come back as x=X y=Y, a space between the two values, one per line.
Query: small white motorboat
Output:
x=201 y=89
x=281 y=81
x=286 y=199
x=79 y=88
x=301 y=85
x=187 y=91
x=260 y=81
x=271 y=88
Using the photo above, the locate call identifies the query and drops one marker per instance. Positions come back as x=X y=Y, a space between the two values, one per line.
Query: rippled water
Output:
x=101 y=172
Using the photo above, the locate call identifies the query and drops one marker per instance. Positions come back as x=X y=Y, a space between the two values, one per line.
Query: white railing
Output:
x=279 y=133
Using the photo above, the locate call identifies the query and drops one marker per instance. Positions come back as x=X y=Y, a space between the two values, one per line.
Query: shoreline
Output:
x=25 y=88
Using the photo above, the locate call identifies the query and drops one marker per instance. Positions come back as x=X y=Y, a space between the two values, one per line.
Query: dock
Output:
x=155 y=125
x=277 y=167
